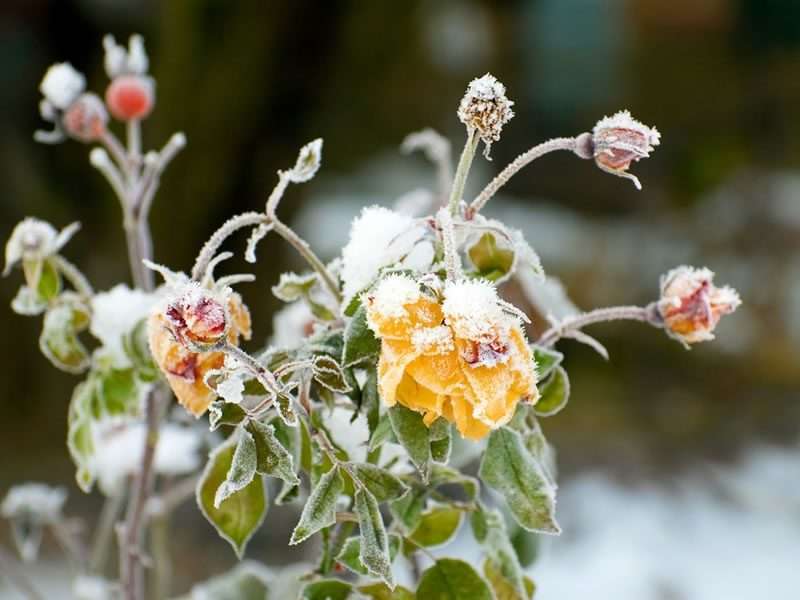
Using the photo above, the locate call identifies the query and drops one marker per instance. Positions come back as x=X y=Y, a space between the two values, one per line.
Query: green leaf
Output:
x=546 y=360
x=407 y=511
x=360 y=344
x=224 y=413
x=436 y=527
x=380 y=483
x=272 y=457
x=79 y=432
x=137 y=349
x=553 y=394
x=239 y=516
x=526 y=545
x=327 y=589
x=451 y=579
x=59 y=342
x=329 y=374
x=374 y=550
x=49 y=281
x=489 y=528
x=285 y=409
x=291 y=286
x=502 y=587
x=242 y=583
x=380 y=591
x=441 y=441
x=320 y=508
x=371 y=402
x=350 y=553
x=491 y=261
x=383 y=433
x=443 y=475
x=413 y=435
x=508 y=467
x=242 y=469
x=119 y=392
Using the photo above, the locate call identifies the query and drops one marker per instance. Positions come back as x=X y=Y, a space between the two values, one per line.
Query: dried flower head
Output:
x=34 y=240
x=462 y=359
x=197 y=317
x=184 y=368
x=485 y=109
x=619 y=140
x=86 y=118
x=691 y=305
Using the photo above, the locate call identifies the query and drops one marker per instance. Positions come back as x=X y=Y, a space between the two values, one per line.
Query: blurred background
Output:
x=679 y=470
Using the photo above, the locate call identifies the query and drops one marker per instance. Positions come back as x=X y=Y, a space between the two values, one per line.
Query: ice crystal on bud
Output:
x=308 y=162
x=197 y=316
x=691 y=305
x=62 y=85
x=36 y=501
x=391 y=296
x=485 y=109
x=35 y=240
x=619 y=140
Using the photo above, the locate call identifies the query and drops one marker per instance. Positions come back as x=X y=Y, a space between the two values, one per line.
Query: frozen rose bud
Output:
x=691 y=305
x=619 y=140
x=130 y=97
x=62 y=85
x=197 y=317
x=485 y=109
x=86 y=118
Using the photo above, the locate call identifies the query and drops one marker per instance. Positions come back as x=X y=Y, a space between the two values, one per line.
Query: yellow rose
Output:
x=462 y=358
x=185 y=370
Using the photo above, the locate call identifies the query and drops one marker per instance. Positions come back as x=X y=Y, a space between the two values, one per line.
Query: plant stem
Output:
x=464 y=163
x=514 y=167
x=105 y=533
x=229 y=227
x=14 y=573
x=451 y=259
x=645 y=314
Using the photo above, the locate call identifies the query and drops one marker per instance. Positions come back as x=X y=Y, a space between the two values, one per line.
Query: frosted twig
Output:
x=451 y=259
x=464 y=163
x=210 y=248
x=565 y=327
x=152 y=178
x=74 y=276
x=100 y=160
x=117 y=151
x=514 y=167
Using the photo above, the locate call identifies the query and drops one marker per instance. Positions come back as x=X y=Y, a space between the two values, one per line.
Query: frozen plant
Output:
x=392 y=367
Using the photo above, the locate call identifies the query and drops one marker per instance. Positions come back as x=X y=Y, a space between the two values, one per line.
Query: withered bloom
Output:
x=619 y=140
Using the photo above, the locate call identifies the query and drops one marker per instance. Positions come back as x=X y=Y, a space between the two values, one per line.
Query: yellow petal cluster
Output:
x=459 y=357
x=185 y=370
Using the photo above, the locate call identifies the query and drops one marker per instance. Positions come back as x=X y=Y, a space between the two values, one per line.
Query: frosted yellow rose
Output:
x=462 y=358
x=185 y=370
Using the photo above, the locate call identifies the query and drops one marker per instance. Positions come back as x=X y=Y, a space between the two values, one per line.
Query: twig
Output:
x=105 y=533
x=464 y=163
x=210 y=248
x=645 y=314
x=514 y=167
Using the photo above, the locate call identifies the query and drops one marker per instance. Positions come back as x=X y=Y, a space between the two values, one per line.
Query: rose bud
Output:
x=620 y=140
x=485 y=109
x=691 y=305
x=197 y=317
x=86 y=118
x=130 y=97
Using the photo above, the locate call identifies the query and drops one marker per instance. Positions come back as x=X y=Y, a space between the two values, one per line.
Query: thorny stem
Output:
x=14 y=573
x=645 y=314
x=514 y=167
x=74 y=276
x=464 y=163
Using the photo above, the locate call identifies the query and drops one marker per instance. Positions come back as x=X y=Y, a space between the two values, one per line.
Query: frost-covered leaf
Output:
x=224 y=413
x=443 y=475
x=546 y=360
x=119 y=392
x=28 y=303
x=413 y=435
x=245 y=582
x=327 y=589
x=272 y=457
x=360 y=344
x=526 y=545
x=451 y=579
x=291 y=286
x=49 y=281
x=441 y=441
x=374 y=550
x=137 y=349
x=242 y=469
x=526 y=255
x=436 y=526
x=492 y=260
x=59 y=341
x=553 y=394
x=350 y=553
x=490 y=531
x=382 y=433
x=79 y=432
x=380 y=591
x=237 y=518
x=380 y=483
x=284 y=405
x=508 y=467
x=408 y=509
x=256 y=235
x=320 y=508
x=328 y=373
x=308 y=162
x=371 y=402
x=503 y=589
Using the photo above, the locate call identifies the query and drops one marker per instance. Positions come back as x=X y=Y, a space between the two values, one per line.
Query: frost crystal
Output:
x=379 y=237
x=37 y=501
x=485 y=109
x=433 y=340
x=392 y=294
x=115 y=313
x=62 y=85
x=119 y=445
x=472 y=310
x=308 y=162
